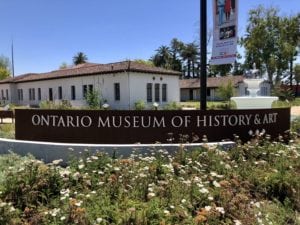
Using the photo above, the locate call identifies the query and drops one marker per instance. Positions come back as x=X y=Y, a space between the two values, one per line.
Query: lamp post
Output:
x=203 y=49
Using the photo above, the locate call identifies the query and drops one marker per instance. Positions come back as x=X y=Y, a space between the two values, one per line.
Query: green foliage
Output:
x=80 y=58
x=253 y=183
x=172 y=106
x=93 y=99
x=4 y=67
x=64 y=104
x=283 y=93
x=146 y=62
x=7 y=131
x=139 y=105
x=271 y=41
x=223 y=70
x=226 y=91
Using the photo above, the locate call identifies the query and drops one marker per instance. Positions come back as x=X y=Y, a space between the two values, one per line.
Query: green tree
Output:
x=163 y=57
x=290 y=40
x=262 y=40
x=176 y=49
x=222 y=70
x=297 y=77
x=4 y=67
x=226 y=91
x=79 y=58
x=64 y=65
x=189 y=54
x=145 y=62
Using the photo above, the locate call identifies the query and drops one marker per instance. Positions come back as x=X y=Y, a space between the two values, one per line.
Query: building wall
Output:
x=138 y=82
x=132 y=88
x=5 y=94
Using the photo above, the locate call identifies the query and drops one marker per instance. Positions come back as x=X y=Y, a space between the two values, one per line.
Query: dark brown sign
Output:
x=164 y=126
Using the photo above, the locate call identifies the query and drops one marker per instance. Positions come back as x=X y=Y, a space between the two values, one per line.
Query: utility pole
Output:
x=203 y=49
x=12 y=58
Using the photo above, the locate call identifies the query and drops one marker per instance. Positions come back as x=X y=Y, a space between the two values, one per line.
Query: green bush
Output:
x=139 y=105
x=283 y=93
x=64 y=104
x=172 y=106
x=93 y=99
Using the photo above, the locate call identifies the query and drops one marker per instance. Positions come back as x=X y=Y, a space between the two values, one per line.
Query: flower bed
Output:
x=254 y=183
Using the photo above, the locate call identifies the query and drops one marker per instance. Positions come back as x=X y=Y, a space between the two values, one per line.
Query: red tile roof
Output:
x=91 y=69
x=212 y=82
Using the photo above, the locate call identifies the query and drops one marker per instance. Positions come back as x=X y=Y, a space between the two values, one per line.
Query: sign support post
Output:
x=203 y=49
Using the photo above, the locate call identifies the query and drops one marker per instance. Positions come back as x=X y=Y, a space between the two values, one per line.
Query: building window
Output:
x=31 y=94
x=208 y=92
x=60 y=93
x=7 y=94
x=117 y=91
x=149 y=92
x=91 y=88
x=39 y=94
x=20 y=94
x=73 y=92
x=2 y=94
x=50 y=94
x=84 y=91
x=164 y=92
x=156 y=93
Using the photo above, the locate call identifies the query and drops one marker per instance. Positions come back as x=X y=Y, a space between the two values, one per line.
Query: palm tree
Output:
x=189 y=54
x=176 y=49
x=79 y=58
x=162 y=58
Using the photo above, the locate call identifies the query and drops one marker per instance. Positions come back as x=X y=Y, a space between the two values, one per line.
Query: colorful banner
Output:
x=225 y=16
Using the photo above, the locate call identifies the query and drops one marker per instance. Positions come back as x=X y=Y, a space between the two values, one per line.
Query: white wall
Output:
x=132 y=89
x=138 y=91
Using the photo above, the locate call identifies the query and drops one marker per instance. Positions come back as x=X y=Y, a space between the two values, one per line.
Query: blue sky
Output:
x=47 y=33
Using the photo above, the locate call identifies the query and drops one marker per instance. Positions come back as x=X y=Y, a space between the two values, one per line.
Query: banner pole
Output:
x=203 y=49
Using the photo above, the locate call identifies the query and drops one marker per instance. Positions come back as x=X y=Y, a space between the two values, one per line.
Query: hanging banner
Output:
x=225 y=15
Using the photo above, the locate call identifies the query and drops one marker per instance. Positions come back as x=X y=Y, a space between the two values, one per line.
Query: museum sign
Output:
x=147 y=126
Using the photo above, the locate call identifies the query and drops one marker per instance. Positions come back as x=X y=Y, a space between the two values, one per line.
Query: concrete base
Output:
x=49 y=151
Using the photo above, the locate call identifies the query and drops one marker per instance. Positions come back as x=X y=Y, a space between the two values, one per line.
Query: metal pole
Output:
x=203 y=49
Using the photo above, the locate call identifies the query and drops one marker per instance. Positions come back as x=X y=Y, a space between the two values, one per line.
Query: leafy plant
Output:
x=139 y=105
x=226 y=91
x=172 y=106
x=93 y=99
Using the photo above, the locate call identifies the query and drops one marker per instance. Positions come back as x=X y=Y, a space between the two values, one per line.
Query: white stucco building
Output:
x=190 y=88
x=119 y=84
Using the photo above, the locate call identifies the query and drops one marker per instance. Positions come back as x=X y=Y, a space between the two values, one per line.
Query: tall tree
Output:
x=79 y=58
x=189 y=54
x=262 y=39
x=290 y=38
x=221 y=70
x=176 y=49
x=4 y=67
x=297 y=77
x=163 y=57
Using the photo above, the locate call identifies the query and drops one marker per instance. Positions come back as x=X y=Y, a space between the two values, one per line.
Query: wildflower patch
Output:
x=148 y=126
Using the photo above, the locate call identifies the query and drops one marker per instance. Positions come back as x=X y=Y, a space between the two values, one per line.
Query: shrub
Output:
x=172 y=106
x=64 y=104
x=93 y=99
x=283 y=93
x=139 y=105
